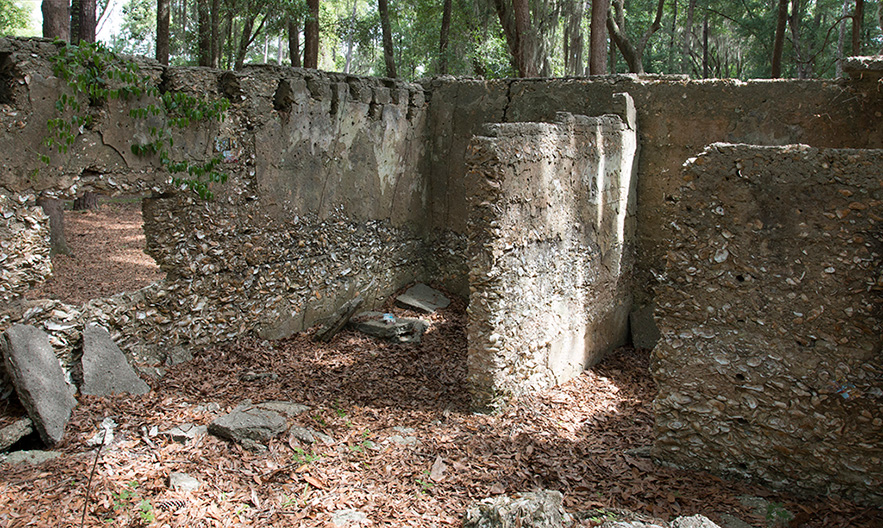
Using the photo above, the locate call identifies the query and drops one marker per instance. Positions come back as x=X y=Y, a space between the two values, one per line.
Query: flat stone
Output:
x=423 y=298
x=536 y=509
x=348 y=517
x=178 y=355
x=310 y=436
x=186 y=432
x=693 y=521
x=248 y=425
x=386 y=326
x=183 y=482
x=38 y=380
x=31 y=457
x=14 y=432
x=105 y=368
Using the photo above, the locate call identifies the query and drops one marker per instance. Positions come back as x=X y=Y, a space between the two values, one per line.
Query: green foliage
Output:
x=302 y=457
x=94 y=75
x=12 y=17
x=124 y=500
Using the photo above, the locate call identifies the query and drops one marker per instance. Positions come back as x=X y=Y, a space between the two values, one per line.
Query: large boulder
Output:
x=38 y=380
x=249 y=425
x=105 y=368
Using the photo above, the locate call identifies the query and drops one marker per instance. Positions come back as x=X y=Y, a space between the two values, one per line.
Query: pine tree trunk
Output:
x=204 y=32
x=779 y=42
x=386 y=29
x=598 y=37
x=86 y=21
x=163 y=11
x=89 y=201
x=311 y=36
x=216 y=34
x=294 y=42
x=857 y=19
x=443 y=38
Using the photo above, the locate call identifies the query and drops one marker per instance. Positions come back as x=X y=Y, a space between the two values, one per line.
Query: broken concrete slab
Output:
x=693 y=521
x=536 y=509
x=14 y=432
x=423 y=298
x=105 y=368
x=38 y=380
x=185 y=432
x=31 y=457
x=248 y=425
x=183 y=482
x=388 y=326
x=338 y=320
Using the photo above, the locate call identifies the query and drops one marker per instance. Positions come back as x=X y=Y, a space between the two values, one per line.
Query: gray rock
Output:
x=629 y=524
x=248 y=425
x=348 y=517
x=540 y=509
x=105 y=368
x=186 y=432
x=731 y=521
x=184 y=482
x=694 y=521
x=423 y=298
x=396 y=329
x=31 y=457
x=310 y=436
x=643 y=327
x=38 y=380
x=104 y=435
x=14 y=432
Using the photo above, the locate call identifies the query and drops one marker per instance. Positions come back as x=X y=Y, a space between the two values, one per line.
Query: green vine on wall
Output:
x=95 y=74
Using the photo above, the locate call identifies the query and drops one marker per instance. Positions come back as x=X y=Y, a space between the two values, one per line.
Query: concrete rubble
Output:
x=105 y=369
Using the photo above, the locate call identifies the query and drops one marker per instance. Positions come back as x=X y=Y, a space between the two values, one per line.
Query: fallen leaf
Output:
x=437 y=473
x=315 y=482
x=497 y=489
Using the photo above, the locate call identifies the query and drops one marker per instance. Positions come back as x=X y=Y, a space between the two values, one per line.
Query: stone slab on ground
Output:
x=388 y=326
x=38 y=380
x=105 y=368
x=30 y=457
x=535 y=509
x=423 y=298
x=249 y=425
x=186 y=432
x=183 y=482
x=693 y=521
x=348 y=518
x=14 y=432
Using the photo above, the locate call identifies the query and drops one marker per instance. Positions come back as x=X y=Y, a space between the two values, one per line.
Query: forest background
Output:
x=412 y=39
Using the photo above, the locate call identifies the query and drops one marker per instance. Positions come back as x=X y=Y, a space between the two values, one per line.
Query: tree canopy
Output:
x=500 y=38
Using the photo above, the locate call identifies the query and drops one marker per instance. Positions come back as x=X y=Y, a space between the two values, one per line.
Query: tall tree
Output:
x=215 y=18
x=163 y=18
x=598 y=37
x=779 y=41
x=56 y=19
x=633 y=55
x=294 y=41
x=86 y=22
x=515 y=21
x=311 y=36
x=573 y=37
x=443 y=37
x=204 y=32
x=386 y=29
x=857 y=19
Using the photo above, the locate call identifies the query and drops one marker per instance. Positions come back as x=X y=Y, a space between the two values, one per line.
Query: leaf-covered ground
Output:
x=574 y=438
x=370 y=397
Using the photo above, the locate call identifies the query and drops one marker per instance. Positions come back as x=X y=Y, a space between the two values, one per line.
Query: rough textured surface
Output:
x=551 y=227
x=422 y=298
x=24 y=246
x=14 y=432
x=105 y=369
x=535 y=509
x=38 y=380
x=769 y=363
x=249 y=425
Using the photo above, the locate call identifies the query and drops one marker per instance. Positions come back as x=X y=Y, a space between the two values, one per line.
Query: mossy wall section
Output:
x=770 y=305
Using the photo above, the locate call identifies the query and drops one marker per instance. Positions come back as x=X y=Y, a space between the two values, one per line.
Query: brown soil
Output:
x=576 y=438
x=107 y=247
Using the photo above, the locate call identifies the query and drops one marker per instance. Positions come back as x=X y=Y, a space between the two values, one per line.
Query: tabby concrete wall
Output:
x=324 y=200
x=770 y=360
x=676 y=119
x=551 y=232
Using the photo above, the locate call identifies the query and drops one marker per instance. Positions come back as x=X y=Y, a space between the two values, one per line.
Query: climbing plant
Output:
x=94 y=75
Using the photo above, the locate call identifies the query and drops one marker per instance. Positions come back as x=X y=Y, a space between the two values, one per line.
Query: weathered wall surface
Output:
x=676 y=119
x=770 y=359
x=24 y=247
x=324 y=200
x=551 y=231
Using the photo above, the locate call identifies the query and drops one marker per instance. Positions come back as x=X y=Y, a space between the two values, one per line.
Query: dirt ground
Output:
x=405 y=448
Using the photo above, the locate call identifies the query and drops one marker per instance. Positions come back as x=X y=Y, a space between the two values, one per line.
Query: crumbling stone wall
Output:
x=24 y=246
x=551 y=231
x=770 y=305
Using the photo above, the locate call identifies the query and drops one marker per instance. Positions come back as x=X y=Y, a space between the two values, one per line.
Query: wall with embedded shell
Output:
x=324 y=202
x=770 y=360
x=551 y=236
